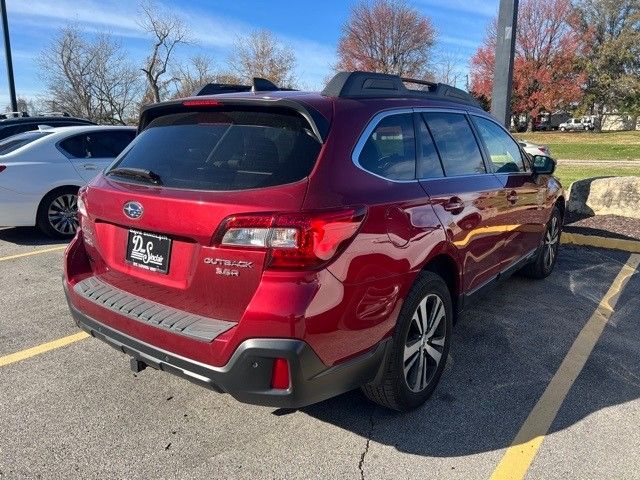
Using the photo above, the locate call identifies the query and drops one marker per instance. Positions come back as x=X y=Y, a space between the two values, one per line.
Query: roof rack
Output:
x=257 y=85
x=6 y=115
x=53 y=114
x=381 y=85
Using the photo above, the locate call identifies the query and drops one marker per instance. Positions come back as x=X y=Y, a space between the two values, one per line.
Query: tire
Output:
x=58 y=213
x=401 y=388
x=562 y=129
x=545 y=261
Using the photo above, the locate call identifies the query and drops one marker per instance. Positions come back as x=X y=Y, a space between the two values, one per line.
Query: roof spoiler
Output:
x=319 y=123
x=381 y=85
x=257 y=85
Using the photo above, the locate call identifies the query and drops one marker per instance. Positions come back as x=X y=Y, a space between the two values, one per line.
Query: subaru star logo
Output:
x=133 y=210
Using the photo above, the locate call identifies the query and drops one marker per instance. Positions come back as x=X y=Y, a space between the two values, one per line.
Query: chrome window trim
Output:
x=377 y=118
x=368 y=130
x=458 y=177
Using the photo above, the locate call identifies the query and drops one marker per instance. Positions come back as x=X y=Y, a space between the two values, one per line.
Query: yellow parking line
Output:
x=35 y=252
x=518 y=457
x=632 y=246
x=45 y=347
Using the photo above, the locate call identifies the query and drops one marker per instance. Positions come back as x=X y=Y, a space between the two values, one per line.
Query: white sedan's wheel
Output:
x=63 y=214
x=58 y=213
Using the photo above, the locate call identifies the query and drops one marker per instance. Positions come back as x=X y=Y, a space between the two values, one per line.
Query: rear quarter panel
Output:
x=29 y=176
x=399 y=235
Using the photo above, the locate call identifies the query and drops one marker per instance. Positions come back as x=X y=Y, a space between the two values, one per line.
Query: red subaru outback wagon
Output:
x=285 y=247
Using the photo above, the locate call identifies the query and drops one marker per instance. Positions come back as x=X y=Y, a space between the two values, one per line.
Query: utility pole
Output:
x=7 y=53
x=505 y=50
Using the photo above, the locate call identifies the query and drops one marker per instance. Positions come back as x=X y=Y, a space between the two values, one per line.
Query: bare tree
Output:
x=168 y=31
x=386 y=36
x=261 y=54
x=24 y=105
x=191 y=77
x=447 y=69
x=198 y=72
x=90 y=77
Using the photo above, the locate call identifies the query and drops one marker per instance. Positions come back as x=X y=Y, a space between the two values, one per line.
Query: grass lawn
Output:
x=567 y=174
x=588 y=145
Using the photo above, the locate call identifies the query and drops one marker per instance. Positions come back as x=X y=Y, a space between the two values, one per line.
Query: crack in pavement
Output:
x=366 y=447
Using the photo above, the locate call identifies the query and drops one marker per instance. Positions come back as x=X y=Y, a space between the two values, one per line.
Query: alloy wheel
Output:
x=63 y=214
x=551 y=242
x=425 y=343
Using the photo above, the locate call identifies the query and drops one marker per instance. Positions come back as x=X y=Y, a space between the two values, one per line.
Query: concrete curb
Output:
x=632 y=246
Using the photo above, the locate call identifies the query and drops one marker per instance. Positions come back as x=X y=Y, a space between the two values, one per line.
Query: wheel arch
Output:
x=446 y=267
x=47 y=193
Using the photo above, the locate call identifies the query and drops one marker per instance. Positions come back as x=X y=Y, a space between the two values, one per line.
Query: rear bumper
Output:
x=247 y=375
x=17 y=210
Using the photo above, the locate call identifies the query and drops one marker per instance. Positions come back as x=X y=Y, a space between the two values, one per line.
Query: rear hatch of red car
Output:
x=184 y=215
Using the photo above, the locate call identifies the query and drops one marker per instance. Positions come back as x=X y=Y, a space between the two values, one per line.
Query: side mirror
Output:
x=543 y=165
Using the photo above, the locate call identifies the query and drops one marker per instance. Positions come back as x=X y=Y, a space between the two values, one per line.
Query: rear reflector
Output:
x=2 y=168
x=201 y=103
x=295 y=240
x=280 y=374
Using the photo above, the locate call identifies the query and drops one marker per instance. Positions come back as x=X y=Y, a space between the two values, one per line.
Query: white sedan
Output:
x=42 y=170
x=534 y=149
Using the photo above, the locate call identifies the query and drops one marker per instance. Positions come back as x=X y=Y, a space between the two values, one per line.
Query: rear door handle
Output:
x=512 y=197
x=454 y=205
x=90 y=166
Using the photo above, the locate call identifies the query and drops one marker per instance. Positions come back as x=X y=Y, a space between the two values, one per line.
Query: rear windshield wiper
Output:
x=137 y=173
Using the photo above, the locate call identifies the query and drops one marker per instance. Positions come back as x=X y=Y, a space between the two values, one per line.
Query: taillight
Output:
x=292 y=240
x=2 y=168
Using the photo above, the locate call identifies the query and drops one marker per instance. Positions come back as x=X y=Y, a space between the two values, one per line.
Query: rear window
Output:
x=17 y=141
x=225 y=150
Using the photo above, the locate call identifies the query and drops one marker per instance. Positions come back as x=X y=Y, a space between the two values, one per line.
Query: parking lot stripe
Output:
x=518 y=457
x=35 y=252
x=632 y=246
x=45 y=347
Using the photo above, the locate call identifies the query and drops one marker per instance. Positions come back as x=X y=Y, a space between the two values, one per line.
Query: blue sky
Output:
x=312 y=28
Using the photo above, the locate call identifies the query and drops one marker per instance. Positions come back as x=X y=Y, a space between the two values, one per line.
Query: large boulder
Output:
x=606 y=196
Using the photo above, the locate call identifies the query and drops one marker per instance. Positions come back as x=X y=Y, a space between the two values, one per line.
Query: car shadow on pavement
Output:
x=505 y=350
x=28 y=236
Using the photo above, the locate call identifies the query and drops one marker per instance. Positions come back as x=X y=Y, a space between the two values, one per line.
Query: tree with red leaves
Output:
x=386 y=36
x=546 y=72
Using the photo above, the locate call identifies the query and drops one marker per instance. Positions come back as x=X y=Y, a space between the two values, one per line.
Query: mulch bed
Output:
x=611 y=226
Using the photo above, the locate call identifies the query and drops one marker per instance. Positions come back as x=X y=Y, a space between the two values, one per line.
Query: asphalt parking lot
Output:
x=79 y=412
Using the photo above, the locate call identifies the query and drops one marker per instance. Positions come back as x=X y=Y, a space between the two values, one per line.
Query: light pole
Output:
x=7 y=52
x=503 y=70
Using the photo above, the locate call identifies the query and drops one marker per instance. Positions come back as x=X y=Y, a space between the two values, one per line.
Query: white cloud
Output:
x=118 y=18
x=314 y=59
x=457 y=41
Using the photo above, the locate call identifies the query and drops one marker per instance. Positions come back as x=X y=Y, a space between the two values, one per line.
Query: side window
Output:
x=75 y=147
x=390 y=150
x=455 y=143
x=429 y=165
x=107 y=144
x=503 y=150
